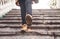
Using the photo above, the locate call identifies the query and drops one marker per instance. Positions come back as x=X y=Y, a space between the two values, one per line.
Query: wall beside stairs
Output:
x=5 y=6
x=58 y=4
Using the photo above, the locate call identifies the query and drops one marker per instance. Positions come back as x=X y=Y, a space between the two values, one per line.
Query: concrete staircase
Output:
x=46 y=25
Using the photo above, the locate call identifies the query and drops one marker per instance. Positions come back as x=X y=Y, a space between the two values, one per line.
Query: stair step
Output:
x=10 y=31
x=46 y=15
x=20 y=18
x=28 y=36
x=39 y=25
x=10 y=20
x=34 y=26
x=20 y=15
x=20 y=12
x=40 y=17
x=15 y=22
x=49 y=10
x=51 y=13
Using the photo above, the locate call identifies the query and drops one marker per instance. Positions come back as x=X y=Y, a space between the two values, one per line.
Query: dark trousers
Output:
x=26 y=8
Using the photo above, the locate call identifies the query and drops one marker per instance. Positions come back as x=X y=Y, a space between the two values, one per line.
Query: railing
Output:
x=5 y=6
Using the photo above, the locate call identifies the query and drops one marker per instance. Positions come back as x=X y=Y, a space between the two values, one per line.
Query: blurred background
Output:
x=46 y=4
x=7 y=5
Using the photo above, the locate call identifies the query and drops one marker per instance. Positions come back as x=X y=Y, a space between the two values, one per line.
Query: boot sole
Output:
x=28 y=20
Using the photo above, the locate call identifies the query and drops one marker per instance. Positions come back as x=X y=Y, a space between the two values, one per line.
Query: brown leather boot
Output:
x=24 y=28
x=28 y=19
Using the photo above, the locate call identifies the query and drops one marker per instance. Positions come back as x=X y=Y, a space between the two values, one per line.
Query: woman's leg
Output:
x=26 y=8
x=28 y=5
x=23 y=10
